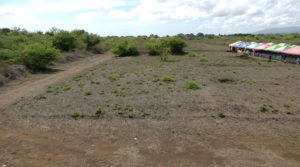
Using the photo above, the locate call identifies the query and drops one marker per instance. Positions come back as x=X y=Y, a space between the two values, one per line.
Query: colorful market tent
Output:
x=279 y=50
x=242 y=45
x=270 y=51
x=274 y=47
x=292 y=55
x=251 y=47
x=293 y=51
x=231 y=45
x=234 y=43
x=263 y=46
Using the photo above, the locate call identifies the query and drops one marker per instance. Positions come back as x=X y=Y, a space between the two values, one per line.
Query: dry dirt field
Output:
x=139 y=111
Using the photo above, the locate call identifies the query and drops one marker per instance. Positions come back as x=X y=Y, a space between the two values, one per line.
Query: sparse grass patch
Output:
x=288 y=112
x=275 y=111
x=88 y=93
x=191 y=85
x=75 y=115
x=192 y=54
x=143 y=91
x=113 y=77
x=167 y=79
x=145 y=113
x=203 y=60
x=286 y=105
x=263 y=108
x=98 y=111
x=275 y=83
x=66 y=87
x=78 y=77
x=42 y=96
x=139 y=82
x=221 y=115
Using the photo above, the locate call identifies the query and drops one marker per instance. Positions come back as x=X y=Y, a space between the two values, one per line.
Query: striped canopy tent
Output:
x=292 y=55
x=241 y=45
x=263 y=46
x=251 y=47
x=235 y=43
x=259 y=51
x=279 y=50
x=270 y=51
x=293 y=51
x=231 y=45
x=274 y=47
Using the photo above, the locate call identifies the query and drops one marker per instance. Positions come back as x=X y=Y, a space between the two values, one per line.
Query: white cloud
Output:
x=75 y=5
x=211 y=16
x=91 y=16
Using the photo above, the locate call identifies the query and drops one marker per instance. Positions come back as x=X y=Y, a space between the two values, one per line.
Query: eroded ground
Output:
x=146 y=116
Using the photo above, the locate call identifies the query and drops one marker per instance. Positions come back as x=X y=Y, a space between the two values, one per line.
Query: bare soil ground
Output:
x=146 y=116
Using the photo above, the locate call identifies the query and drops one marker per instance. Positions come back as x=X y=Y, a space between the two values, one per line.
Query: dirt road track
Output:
x=12 y=94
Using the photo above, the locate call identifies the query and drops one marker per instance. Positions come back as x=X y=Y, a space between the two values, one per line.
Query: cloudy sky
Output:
x=144 y=17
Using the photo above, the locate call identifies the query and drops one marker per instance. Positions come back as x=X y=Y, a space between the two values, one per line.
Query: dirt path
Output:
x=11 y=94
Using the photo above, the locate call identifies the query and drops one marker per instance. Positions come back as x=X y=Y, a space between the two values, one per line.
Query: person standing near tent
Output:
x=298 y=61
x=270 y=58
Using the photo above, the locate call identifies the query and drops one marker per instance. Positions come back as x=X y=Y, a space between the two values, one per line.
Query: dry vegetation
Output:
x=212 y=109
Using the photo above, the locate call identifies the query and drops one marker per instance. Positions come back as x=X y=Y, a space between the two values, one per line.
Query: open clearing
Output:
x=138 y=111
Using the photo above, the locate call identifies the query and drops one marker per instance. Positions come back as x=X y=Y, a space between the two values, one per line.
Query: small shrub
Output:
x=203 y=60
x=288 y=112
x=75 y=115
x=42 y=96
x=221 y=115
x=125 y=48
x=88 y=93
x=286 y=105
x=66 y=87
x=191 y=85
x=263 y=108
x=98 y=111
x=274 y=111
x=112 y=77
x=167 y=79
x=128 y=108
x=139 y=82
x=192 y=54
x=145 y=113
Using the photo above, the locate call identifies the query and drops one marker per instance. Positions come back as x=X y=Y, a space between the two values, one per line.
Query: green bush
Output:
x=263 y=108
x=175 y=44
x=64 y=41
x=167 y=79
x=98 y=111
x=125 y=48
x=203 y=60
x=8 y=55
x=75 y=115
x=192 y=54
x=154 y=47
x=37 y=56
x=191 y=85
x=221 y=115
x=92 y=40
